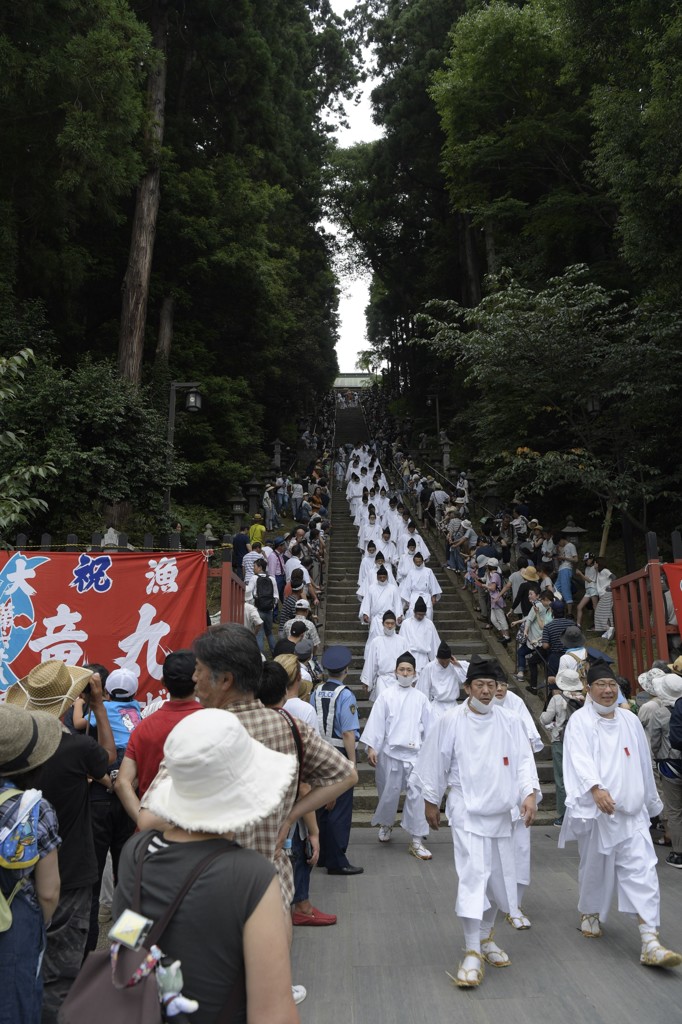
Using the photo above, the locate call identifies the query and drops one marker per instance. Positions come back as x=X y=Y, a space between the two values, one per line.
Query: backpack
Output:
x=581 y=667
x=18 y=845
x=571 y=705
x=264 y=599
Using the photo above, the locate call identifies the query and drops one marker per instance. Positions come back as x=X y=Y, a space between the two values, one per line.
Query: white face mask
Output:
x=499 y=700
x=477 y=705
x=389 y=630
x=405 y=680
x=605 y=710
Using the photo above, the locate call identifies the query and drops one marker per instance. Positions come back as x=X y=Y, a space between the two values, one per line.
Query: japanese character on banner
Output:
x=16 y=592
x=147 y=634
x=163 y=575
x=91 y=574
x=62 y=640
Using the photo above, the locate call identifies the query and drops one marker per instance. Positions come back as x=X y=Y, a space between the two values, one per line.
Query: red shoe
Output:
x=315 y=919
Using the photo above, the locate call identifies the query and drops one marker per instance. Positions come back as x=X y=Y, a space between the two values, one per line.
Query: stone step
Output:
x=366 y=773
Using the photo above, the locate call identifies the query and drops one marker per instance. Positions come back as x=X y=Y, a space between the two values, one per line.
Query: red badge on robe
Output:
x=505 y=762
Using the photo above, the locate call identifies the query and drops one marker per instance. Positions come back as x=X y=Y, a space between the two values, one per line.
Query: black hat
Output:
x=378 y=555
x=382 y=571
x=444 y=651
x=418 y=554
x=419 y=605
x=406 y=657
x=336 y=658
x=483 y=667
x=600 y=670
x=411 y=543
x=298 y=628
x=370 y=544
x=388 y=615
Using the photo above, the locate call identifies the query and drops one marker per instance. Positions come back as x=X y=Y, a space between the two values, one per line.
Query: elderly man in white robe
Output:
x=482 y=754
x=378 y=671
x=441 y=679
x=610 y=797
x=420 y=582
x=395 y=731
x=380 y=597
x=420 y=636
x=516 y=706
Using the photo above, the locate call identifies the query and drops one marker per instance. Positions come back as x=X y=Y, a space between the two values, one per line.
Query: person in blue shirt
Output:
x=337 y=715
x=123 y=711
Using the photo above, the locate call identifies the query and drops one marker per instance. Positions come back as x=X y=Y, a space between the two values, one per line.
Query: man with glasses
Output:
x=610 y=797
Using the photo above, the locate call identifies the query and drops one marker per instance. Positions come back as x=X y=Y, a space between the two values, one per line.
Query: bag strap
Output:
x=159 y=928
x=300 y=750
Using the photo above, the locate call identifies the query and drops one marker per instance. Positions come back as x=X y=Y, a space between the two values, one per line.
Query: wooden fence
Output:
x=639 y=614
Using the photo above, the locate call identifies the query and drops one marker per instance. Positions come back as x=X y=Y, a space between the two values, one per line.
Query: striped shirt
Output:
x=553 y=632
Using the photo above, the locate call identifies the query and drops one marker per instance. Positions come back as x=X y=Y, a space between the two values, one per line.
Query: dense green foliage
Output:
x=242 y=295
x=556 y=143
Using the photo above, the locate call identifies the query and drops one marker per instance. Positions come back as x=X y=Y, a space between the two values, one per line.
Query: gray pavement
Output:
x=384 y=962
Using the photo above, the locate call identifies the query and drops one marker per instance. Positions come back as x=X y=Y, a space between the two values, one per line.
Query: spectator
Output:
x=27 y=741
x=218 y=781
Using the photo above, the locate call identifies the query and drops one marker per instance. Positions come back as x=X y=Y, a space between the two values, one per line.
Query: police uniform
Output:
x=336 y=713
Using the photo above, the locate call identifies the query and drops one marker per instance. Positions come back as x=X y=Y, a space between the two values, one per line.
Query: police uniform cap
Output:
x=336 y=658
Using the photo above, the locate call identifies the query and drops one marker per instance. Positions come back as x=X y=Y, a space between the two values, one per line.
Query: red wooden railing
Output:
x=639 y=615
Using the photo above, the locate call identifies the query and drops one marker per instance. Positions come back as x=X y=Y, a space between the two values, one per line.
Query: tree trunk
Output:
x=605 y=531
x=138 y=273
x=472 y=282
x=490 y=253
x=163 y=345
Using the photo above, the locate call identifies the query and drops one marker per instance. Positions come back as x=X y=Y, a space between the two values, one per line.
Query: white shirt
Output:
x=305 y=712
x=250 y=592
x=398 y=723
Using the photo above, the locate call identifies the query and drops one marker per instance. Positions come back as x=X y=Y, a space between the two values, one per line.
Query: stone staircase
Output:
x=453 y=619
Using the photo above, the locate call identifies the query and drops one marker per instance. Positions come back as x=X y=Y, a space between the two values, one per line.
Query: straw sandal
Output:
x=469 y=977
x=492 y=954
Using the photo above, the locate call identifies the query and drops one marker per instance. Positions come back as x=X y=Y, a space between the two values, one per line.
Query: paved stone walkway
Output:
x=384 y=962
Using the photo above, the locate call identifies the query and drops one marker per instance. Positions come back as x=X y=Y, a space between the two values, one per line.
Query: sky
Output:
x=354 y=292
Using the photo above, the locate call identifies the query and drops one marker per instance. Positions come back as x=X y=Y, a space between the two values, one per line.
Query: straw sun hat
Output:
x=26 y=740
x=51 y=686
x=215 y=777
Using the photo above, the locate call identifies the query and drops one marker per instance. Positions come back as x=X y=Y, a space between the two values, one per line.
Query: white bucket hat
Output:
x=568 y=681
x=669 y=688
x=648 y=680
x=216 y=778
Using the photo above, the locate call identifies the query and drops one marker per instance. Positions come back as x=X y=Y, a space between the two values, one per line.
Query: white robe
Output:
x=420 y=638
x=368 y=532
x=396 y=728
x=405 y=564
x=421 y=543
x=512 y=702
x=488 y=765
x=440 y=685
x=379 y=599
x=378 y=672
x=389 y=550
x=616 y=851
x=367 y=574
x=420 y=582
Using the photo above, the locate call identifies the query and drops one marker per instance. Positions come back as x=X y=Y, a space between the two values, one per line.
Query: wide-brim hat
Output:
x=51 y=686
x=669 y=688
x=216 y=778
x=648 y=680
x=530 y=574
x=492 y=563
x=568 y=681
x=27 y=739
x=573 y=637
x=676 y=666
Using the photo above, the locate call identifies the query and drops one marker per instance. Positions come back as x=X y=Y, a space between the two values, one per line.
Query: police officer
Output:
x=337 y=715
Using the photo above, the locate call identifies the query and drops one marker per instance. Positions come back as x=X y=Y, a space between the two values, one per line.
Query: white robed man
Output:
x=513 y=704
x=411 y=530
x=406 y=561
x=378 y=671
x=367 y=571
x=395 y=731
x=441 y=679
x=482 y=754
x=388 y=547
x=610 y=797
x=371 y=530
x=420 y=581
x=382 y=596
x=420 y=636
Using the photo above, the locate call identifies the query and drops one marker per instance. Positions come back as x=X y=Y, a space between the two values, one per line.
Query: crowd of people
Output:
x=224 y=794
x=425 y=739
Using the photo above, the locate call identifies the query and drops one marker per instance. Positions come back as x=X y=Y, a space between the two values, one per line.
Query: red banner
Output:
x=121 y=609
x=673 y=574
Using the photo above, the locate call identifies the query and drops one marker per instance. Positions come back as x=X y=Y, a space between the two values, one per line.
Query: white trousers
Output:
x=521 y=838
x=630 y=868
x=392 y=777
x=486 y=871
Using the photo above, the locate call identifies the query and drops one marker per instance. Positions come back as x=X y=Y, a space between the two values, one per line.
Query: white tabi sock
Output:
x=472 y=934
